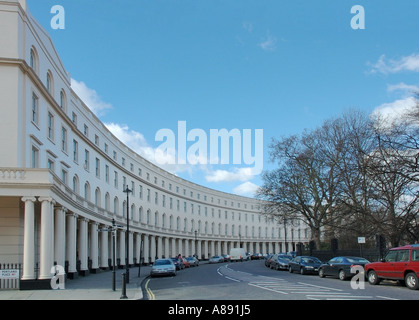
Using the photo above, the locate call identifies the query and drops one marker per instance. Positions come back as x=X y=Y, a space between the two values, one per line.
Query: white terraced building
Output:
x=63 y=175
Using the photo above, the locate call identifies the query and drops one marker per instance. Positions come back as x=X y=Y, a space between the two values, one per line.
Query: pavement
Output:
x=92 y=287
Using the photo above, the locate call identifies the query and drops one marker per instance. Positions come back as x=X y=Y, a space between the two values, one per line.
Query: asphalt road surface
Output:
x=251 y=280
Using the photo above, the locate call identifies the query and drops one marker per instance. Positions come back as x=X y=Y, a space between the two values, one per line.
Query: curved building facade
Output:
x=63 y=177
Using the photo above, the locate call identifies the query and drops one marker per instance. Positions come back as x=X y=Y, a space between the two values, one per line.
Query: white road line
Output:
x=387 y=298
x=232 y=279
x=266 y=288
x=312 y=285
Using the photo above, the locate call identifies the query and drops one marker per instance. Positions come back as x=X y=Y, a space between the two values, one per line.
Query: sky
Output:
x=157 y=72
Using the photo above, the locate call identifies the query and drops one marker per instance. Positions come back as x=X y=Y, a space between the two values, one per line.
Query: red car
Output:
x=401 y=263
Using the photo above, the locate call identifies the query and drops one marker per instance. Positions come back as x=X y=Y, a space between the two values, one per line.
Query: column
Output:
x=104 y=249
x=186 y=253
x=193 y=246
x=83 y=244
x=28 y=239
x=199 y=251
x=138 y=247
x=166 y=248
x=159 y=247
x=47 y=239
x=205 y=249
x=212 y=250
x=174 y=251
x=131 y=248
x=146 y=253
x=121 y=248
x=60 y=236
x=153 y=248
x=94 y=245
x=71 y=242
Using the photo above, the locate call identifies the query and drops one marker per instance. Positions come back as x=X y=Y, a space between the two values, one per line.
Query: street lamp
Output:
x=127 y=191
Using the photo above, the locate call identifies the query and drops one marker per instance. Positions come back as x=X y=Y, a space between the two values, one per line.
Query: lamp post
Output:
x=127 y=191
x=113 y=254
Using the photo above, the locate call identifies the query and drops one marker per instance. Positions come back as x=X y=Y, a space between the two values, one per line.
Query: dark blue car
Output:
x=304 y=264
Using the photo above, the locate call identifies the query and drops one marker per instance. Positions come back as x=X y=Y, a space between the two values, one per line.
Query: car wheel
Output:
x=290 y=269
x=302 y=271
x=411 y=281
x=373 y=278
x=321 y=273
x=342 y=275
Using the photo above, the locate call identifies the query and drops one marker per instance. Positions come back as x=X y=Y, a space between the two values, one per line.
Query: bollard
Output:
x=124 y=288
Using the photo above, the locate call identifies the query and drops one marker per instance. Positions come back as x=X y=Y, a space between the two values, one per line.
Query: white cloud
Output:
x=238 y=174
x=133 y=139
x=395 y=111
x=138 y=143
x=386 y=66
x=246 y=189
x=403 y=87
x=90 y=97
x=268 y=43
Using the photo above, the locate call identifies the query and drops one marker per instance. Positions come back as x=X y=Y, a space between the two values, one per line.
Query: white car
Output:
x=163 y=267
x=216 y=259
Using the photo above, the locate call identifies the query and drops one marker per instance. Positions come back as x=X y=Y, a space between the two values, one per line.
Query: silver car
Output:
x=163 y=267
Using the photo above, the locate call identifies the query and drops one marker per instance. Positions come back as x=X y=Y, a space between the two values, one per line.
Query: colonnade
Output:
x=82 y=244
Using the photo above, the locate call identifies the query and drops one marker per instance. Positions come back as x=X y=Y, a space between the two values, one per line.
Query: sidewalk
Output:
x=92 y=287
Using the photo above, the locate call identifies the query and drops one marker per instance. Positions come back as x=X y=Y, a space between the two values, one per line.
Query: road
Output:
x=251 y=280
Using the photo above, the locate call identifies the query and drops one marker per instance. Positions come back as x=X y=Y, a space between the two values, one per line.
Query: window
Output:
x=50 y=126
x=86 y=160
x=64 y=174
x=403 y=255
x=35 y=157
x=63 y=100
x=64 y=139
x=75 y=151
x=50 y=83
x=51 y=165
x=107 y=173
x=87 y=191
x=115 y=179
x=35 y=108
x=74 y=118
x=33 y=60
x=97 y=163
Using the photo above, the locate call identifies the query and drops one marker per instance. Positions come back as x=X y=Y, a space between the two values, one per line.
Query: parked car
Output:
x=341 y=267
x=401 y=263
x=226 y=257
x=186 y=263
x=304 y=265
x=268 y=260
x=194 y=262
x=216 y=259
x=256 y=256
x=178 y=263
x=279 y=262
x=163 y=267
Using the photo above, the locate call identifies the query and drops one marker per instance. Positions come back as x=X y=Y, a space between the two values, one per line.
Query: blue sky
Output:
x=280 y=66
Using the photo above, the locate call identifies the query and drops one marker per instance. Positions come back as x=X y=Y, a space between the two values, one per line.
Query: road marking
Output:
x=387 y=298
x=150 y=293
x=232 y=279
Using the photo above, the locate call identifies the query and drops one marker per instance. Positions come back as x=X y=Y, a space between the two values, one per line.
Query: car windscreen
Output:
x=358 y=260
x=162 y=262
